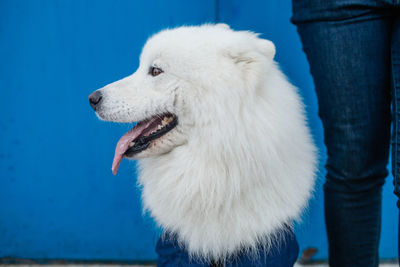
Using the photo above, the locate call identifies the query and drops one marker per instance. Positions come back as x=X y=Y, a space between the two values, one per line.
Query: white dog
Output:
x=225 y=156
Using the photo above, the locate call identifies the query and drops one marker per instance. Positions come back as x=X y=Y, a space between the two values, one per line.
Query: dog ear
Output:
x=246 y=55
x=242 y=57
x=252 y=58
x=267 y=48
x=223 y=26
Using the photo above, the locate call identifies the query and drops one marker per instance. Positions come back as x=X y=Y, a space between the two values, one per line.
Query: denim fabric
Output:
x=283 y=254
x=354 y=60
x=395 y=62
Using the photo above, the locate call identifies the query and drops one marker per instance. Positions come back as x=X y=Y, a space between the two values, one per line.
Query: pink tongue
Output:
x=126 y=139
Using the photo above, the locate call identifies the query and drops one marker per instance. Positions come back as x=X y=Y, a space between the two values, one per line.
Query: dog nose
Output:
x=95 y=99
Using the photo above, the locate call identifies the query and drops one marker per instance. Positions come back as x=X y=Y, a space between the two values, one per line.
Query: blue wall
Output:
x=58 y=198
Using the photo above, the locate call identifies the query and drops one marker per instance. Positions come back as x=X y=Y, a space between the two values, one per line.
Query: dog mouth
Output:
x=141 y=135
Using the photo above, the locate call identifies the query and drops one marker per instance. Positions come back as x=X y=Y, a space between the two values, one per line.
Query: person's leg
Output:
x=282 y=253
x=172 y=254
x=349 y=59
x=395 y=60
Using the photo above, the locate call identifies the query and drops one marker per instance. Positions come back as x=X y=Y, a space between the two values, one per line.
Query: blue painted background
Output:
x=58 y=198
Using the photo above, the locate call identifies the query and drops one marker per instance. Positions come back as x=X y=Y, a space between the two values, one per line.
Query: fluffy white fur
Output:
x=240 y=165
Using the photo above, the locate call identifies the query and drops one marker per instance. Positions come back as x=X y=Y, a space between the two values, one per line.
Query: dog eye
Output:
x=154 y=71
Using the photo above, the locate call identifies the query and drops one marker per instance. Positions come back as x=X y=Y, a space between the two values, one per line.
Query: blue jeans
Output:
x=353 y=47
x=284 y=254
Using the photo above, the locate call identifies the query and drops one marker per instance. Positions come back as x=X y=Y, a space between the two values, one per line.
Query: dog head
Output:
x=183 y=72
